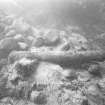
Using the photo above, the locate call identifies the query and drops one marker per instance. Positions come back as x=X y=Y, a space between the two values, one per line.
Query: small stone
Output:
x=95 y=70
x=85 y=102
x=34 y=94
x=38 y=98
x=84 y=76
x=23 y=45
x=41 y=99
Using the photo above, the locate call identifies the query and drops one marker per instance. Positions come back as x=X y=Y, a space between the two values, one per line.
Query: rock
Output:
x=71 y=75
x=38 y=98
x=93 y=90
x=20 y=25
x=95 y=70
x=2 y=27
x=21 y=74
x=79 y=37
x=84 y=76
x=94 y=95
x=3 y=62
x=11 y=33
x=50 y=38
x=19 y=37
x=26 y=68
x=7 y=45
x=30 y=38
x=41 y=99
x=38 y=42
x=78 y=42
x=101 y=85
x=23 y=45
x=33 y=95
x=85 y=102
x=8 y=20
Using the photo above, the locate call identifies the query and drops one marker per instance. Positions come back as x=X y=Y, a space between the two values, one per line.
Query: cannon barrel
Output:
x=60 y=57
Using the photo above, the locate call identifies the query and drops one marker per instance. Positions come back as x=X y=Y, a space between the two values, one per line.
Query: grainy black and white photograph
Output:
x=52 y=52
